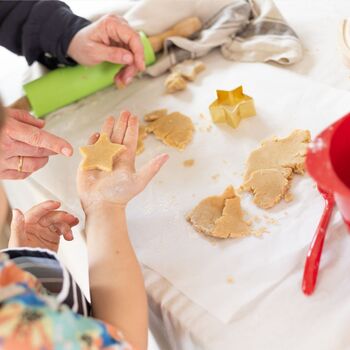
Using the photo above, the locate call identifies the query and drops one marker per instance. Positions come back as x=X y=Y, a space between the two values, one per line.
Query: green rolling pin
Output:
x=64 y=86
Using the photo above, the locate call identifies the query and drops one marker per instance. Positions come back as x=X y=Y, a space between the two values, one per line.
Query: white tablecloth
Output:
x=265 y=323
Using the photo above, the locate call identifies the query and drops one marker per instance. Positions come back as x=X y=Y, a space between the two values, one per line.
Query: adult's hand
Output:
x=109 y=39
x=25 y=147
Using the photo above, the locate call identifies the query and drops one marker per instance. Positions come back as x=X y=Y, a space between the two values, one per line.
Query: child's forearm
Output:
x=116 y=283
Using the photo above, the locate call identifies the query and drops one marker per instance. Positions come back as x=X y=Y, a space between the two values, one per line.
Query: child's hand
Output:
x=119 y=186
x=41 y=226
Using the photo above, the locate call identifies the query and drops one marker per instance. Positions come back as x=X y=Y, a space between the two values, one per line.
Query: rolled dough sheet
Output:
x=270 y=168
x=175 y=129
x=220 y=216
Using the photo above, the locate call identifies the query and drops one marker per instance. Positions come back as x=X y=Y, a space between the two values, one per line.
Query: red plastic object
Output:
x=328 y=162
x=314 y=254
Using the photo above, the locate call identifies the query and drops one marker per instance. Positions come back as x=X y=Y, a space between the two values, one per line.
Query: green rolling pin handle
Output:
x=64 y=86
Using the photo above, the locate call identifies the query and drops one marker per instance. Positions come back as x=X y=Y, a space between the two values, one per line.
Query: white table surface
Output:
x=186 y=324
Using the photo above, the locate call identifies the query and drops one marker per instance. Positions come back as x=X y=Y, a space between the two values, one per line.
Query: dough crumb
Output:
x=189 y=69
x=270 y=168
x=270 y=220
x=174 y=129
x=259 y=232
x=256 y=219
x=220 y=216
x=230 y=280
x=175 y=82
x=188 y=163
x=215 y=177
x=288 y=197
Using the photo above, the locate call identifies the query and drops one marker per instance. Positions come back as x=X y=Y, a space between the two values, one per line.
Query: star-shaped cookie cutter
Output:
x=231 y=107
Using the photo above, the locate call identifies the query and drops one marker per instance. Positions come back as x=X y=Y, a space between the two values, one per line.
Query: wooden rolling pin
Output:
x=64 y=86
x=185 y=28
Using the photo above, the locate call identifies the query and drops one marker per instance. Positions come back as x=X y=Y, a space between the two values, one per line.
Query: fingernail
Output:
x=163 y=158
x=51 y=202
x=66 y=151
x=128 y=80
x=69 y=236
x=127 y=58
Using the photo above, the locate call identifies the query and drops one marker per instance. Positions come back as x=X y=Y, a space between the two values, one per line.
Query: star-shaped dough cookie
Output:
x=101 y=154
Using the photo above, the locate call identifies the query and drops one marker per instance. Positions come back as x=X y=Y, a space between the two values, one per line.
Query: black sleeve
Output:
x=39 y=30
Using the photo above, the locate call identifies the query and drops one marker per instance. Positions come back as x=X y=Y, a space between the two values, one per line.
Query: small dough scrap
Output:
x=100 y=155
x=270 y=168
x=220 y=216
x=230 y=280
x=288 y=197
x=269 y=186
x=175 y=82
x=188 y=163
x=142 y=135
x=189 y=69
x=175 y=130
x=154 y=115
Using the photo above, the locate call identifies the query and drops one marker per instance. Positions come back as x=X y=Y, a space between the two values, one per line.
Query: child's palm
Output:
x=123 y=183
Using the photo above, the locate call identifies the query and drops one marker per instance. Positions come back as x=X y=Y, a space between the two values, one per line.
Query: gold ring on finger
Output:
x=20 y=164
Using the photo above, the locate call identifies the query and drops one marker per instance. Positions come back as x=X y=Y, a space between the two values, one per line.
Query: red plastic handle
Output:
x=314 y=254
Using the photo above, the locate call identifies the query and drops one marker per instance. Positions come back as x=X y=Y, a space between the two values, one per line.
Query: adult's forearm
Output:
x=39 y=30
x=116 y=283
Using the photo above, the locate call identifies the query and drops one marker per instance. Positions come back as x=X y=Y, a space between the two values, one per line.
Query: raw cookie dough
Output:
x=142 y=135
x=100 y=155
x=175 y=82
x=270 y=168
x=188 y=163
x=174 y=129
x=269 y=186
x=189 y=69
x=220 y=216
x=154 y=115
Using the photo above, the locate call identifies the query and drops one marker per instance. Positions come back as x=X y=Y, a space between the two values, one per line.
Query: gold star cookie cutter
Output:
x=231 y=107
x=101 y=154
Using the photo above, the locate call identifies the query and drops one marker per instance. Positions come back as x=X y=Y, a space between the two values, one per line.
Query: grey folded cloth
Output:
x=244 y=30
